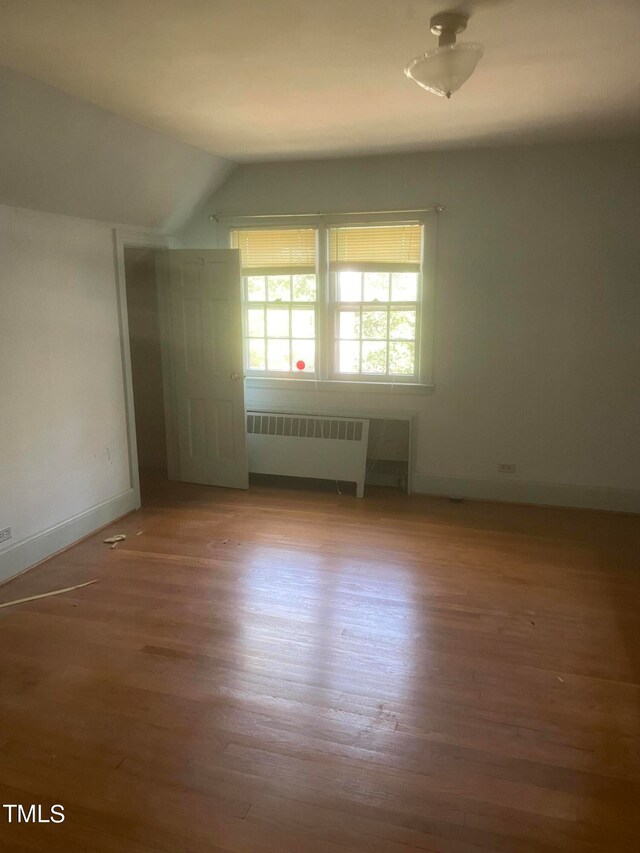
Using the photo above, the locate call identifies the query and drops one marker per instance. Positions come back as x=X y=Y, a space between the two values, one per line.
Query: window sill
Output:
x=272 y=383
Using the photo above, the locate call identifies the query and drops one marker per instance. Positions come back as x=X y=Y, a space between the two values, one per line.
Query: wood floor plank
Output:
x=293 y=670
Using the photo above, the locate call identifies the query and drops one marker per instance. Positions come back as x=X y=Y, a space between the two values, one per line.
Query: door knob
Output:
x=235 y=376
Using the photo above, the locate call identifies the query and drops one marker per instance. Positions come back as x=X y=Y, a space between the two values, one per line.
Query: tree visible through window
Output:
x=376 y=323
x=364 y=316
x=281 y=322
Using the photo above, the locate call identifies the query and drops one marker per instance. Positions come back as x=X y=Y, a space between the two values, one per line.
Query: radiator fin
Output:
x=301 y=426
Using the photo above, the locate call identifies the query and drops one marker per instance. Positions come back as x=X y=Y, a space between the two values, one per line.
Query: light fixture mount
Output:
x=447 y=25
x=442 y=71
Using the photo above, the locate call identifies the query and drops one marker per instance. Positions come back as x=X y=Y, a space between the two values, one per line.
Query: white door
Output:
x=206 y=355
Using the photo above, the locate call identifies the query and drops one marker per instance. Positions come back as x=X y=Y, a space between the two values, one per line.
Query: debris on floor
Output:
x=47 y=594
x=118 y=537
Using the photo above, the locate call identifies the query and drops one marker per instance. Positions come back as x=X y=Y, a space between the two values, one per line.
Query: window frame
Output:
x=335 y=306
x=290 y=307
x=326 y=306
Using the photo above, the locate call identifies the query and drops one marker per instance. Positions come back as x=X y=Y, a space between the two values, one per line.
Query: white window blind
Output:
x=381 y=248
x=286 y=251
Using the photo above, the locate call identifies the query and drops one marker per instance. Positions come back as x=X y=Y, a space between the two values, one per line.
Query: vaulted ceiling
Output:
x=253 y=80
x=61 y=154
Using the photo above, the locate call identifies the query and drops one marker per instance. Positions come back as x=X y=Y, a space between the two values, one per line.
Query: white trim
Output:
x=272 y=383
x=529 y=492
x=28 y=552
x=321 y=409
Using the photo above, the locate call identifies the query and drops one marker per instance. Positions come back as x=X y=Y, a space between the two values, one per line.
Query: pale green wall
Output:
x=537 y=350
x=62 y=416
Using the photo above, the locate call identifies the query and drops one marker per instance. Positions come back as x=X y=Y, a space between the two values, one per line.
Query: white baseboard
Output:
x=30 y=551
x=522 y=491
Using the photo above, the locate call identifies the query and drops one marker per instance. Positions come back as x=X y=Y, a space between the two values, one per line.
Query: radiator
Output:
x=308 y=446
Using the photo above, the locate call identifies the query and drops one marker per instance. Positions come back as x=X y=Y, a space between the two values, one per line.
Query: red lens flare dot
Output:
x=300 y=365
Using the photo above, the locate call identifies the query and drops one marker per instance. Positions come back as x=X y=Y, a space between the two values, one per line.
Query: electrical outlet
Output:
x=507 y=468
x=5 y=534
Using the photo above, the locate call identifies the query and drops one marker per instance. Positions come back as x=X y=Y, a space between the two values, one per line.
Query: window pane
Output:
x=401 y=357
x=255 y=323
x=404 y=286
x=349 y=357
x=278 y=322
x=278 y=355
x=256 y=288
x=303 y=351
x=376 y=286
x=374 y=324
x=303 y=324
x=350 y=286
x=304 y=288
x=402 y=324
x=257 y=360
x=374 y=357
x=349 y=325
x=279 y=288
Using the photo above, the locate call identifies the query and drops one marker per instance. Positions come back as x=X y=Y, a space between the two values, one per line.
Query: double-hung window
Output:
x=374 y=285
x=280 y=300
x=338 y=302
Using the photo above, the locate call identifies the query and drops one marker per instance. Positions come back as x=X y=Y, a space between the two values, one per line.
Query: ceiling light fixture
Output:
x=443 y=70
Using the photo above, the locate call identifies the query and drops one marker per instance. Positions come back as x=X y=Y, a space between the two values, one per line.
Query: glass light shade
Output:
x=446 y=68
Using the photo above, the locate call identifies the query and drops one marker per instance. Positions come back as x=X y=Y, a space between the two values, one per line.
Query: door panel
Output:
x=206 y=333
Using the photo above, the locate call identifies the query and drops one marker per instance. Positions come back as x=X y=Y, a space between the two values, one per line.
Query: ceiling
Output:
x=256 y=80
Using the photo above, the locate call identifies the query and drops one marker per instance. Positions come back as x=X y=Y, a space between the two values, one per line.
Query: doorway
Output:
x=146 y=364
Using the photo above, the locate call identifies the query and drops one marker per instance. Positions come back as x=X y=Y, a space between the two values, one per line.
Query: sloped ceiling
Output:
x=276 y=79
x=64 y=155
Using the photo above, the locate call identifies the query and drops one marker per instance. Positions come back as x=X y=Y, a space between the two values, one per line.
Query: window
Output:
x=357 y=321
x=374 y=275
x=280 y=299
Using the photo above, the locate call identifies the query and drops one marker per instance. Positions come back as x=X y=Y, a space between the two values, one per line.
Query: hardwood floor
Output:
x=293 y=671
